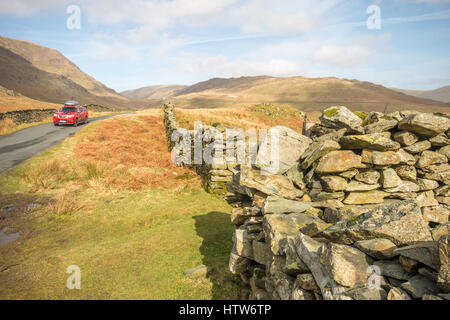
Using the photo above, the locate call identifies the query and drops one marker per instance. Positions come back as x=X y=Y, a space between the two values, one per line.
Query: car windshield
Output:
x=68 y=109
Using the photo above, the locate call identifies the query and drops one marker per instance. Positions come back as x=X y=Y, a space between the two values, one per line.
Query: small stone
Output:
x=405 y=186
x=435 y=214
x=368 y=176
x=426 y=184
x=368 y=197
x=408 y=264
x=306 y=281
x=418 y=286
x=392 y=269
x=275 y=205
x=425 y=124
x=405 y=138
x=400 y=221
x=406 y=172
x=445 y=151
x=398 y=294
x=367 y=294
x=199 y=271
x=390 y=179
x=347 y=265
x=426 y=199
x=419 y=147
x=440 y=141
x=237 y=263
x=424 y=252
x=333 y=183
x=377 y=248
x=341 y=117
x=444 y=259
x=440 y=231
x=323 y=196
x=261 y=252
x=431 y=297
x=429 y=158
x=375 y=141
x=406 y=158
x=359 y=186
x=339 y=161
x=317 y=150
x=381 y=158
x=349 y=174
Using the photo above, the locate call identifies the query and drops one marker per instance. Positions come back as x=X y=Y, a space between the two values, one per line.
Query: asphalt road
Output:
x=24 y=144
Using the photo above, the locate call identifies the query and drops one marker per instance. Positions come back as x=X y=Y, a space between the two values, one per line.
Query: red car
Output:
x=71 y=114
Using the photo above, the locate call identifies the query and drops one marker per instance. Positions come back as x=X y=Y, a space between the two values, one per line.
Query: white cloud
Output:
x=24 y=8
x=343 y=56
x=220 y=66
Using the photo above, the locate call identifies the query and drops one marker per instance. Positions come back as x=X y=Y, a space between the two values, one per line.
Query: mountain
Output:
x=308 y=94
x=153 y=92
x=441 y=94
x=44 y=74
x=12 y=101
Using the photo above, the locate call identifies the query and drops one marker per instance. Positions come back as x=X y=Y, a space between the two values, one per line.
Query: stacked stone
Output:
x=27 y=116
x=215 y=174
x=358 y=209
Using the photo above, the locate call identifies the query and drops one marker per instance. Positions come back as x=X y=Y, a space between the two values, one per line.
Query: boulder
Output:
x=426 y=199
x=306 y=281
x=425 y=124
x=401 y=222
x=275 y=205
x=379 y=122
x=405 y=138
x=243 y=243
x=291 y=146
x=404 y=187
x=275 y=185
x=316 y=151
x=375 y=141
x=426 y=184
x=350 y=174
x=440 y=141
x=237 y=263
x=377 y=248
x=333 y=215
x=348 y=266
x=367 y=294
x=445 y=151
x=339 y=161
x=341 y=117
x=365 y=197
x=440 y=230
x=406 y=158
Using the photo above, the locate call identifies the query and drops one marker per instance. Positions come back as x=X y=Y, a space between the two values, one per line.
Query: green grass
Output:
x=128 y=245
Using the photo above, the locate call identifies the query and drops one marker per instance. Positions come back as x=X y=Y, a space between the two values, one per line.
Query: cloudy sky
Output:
x=136 y=43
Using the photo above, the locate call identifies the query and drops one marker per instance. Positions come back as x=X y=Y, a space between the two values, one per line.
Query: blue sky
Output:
x=136 y=43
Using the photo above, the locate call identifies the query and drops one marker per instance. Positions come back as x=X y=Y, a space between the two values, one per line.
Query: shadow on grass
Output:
x=216 y=230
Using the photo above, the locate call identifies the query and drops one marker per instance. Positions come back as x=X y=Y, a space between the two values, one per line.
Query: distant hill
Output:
x=153 y=92
x=12 y=101
x=308 y=94
x=441 y=94
x=44 y=74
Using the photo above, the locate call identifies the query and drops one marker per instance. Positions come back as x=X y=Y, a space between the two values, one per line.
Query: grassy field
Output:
x=110 y=201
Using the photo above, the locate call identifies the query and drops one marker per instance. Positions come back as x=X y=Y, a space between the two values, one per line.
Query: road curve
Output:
x=24 y=144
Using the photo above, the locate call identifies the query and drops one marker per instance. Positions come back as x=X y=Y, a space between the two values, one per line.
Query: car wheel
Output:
x=87 y=120
x=76 y=123
x=55 y=124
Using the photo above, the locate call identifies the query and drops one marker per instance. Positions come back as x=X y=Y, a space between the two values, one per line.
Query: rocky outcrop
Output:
x=363 y=214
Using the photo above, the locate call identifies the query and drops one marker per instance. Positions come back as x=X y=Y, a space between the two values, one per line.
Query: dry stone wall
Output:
x=361 y=212
x=27 y=116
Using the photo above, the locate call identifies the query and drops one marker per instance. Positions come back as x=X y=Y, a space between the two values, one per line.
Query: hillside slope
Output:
x=308 y=94
x=441 y=94
x=153 y=92
x=44 y=74
x=12 y=101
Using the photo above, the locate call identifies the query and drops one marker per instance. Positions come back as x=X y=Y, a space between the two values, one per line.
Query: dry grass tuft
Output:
x=65 y=204
x=6 y=126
